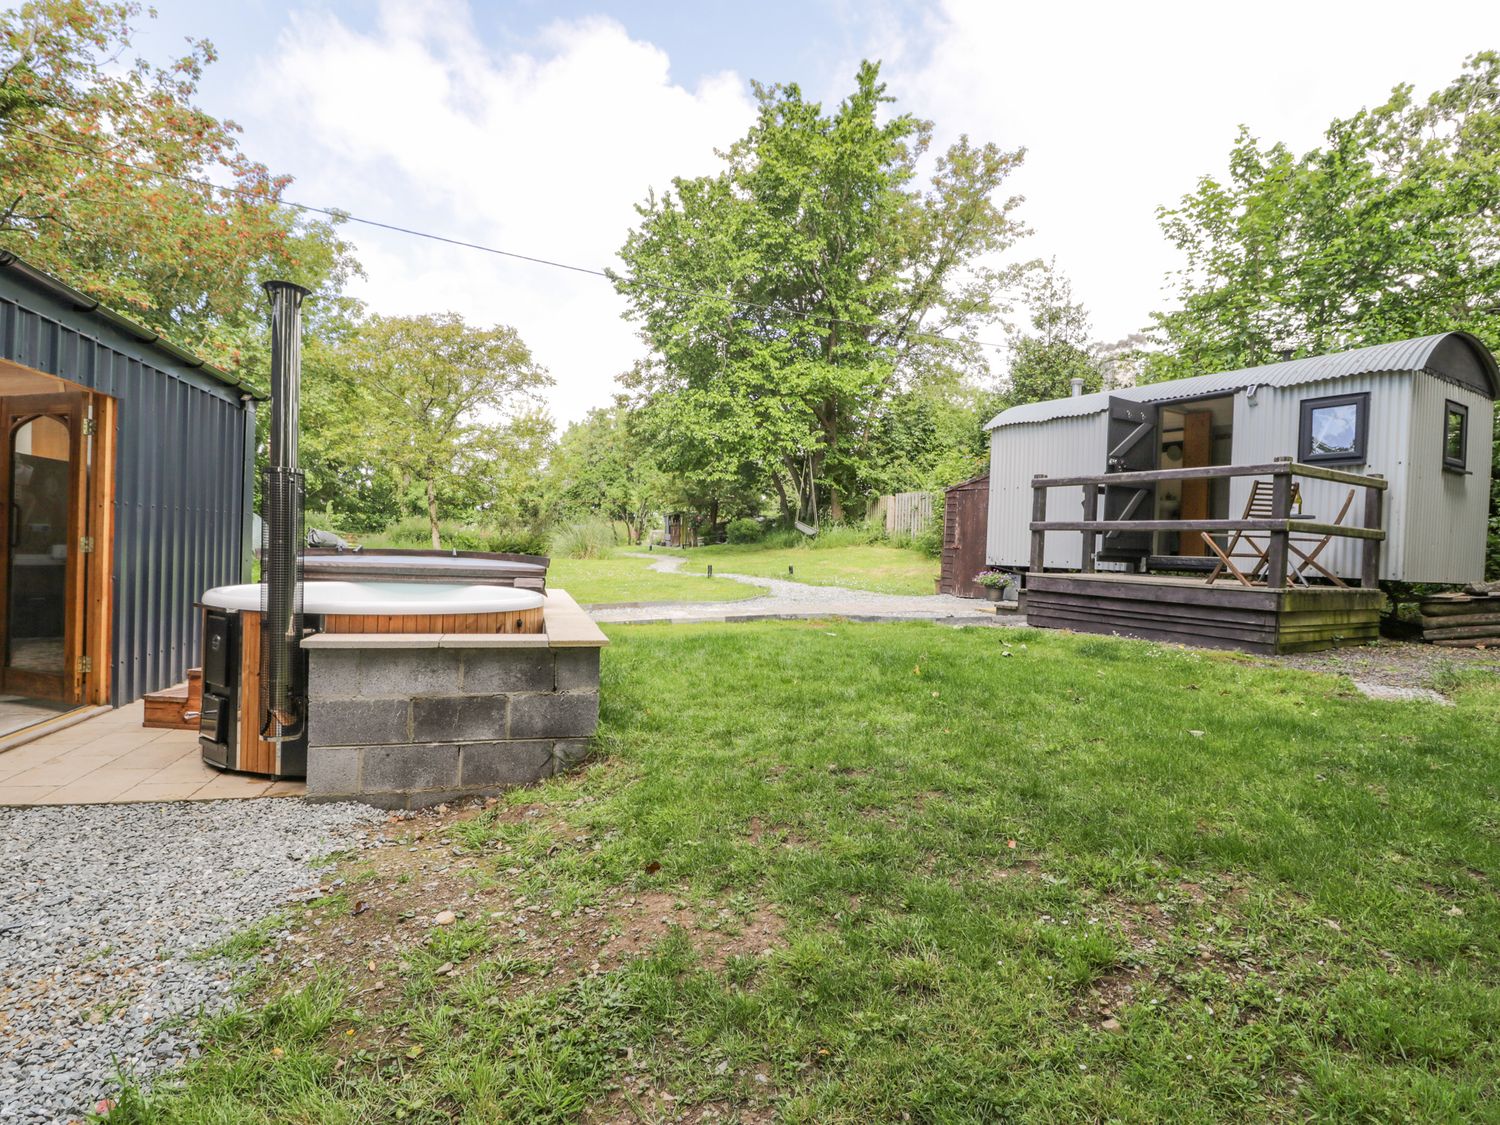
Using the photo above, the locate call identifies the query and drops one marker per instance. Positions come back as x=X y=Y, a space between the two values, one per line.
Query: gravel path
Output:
x=798 y=599
x=102 y=908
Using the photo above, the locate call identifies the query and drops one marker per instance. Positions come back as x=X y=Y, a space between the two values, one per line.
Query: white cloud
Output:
x=543 y=152
x=1123 y=106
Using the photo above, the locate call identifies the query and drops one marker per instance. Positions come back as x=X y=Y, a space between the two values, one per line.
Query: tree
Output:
x=1058 y=350
x=603 y=465
x=95 y=149
x=443 y=409
x=786 y=297
x=1388 y=230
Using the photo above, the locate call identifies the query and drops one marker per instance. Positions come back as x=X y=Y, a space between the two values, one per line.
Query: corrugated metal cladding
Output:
x=1063 y=447
x=1269 y=429
x=180 y=475
x=1446 y=511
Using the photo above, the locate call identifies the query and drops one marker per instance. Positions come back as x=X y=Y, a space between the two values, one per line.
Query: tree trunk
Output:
x=432 y=520
x=786 y=511
x=835 y=506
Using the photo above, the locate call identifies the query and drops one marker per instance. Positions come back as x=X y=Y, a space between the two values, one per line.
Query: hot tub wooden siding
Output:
x=516 y=621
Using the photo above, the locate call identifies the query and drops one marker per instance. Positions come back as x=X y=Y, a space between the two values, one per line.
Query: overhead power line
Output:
x=339 y=215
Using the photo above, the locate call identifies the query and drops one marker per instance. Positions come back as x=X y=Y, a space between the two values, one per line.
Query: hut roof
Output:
x=62 y=291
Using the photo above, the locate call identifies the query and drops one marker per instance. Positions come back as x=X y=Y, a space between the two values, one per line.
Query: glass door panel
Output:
x=42 y=519
x=38 y=549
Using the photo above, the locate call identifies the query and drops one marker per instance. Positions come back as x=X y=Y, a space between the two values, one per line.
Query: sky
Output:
x=536 y=126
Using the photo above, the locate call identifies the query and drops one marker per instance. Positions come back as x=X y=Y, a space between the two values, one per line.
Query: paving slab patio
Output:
x=112 y=759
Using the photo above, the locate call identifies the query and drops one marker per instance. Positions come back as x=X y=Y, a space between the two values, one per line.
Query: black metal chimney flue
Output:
x=284 y=694
x=286 y=369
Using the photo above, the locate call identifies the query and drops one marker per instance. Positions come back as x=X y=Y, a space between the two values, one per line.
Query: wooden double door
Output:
x=47 y=545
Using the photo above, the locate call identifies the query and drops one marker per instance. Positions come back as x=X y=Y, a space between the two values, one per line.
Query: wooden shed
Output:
x=965 y=517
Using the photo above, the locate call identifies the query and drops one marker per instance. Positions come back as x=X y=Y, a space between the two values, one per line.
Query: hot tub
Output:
x=232 y=723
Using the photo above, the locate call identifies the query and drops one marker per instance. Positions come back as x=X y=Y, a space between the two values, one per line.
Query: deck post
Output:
x=1090 y=513
x=1038 y=515
x=1281 y=509
x=1369 y=568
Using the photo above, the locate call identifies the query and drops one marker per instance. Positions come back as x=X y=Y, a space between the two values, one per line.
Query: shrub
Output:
x=413 y=532
x=585 y=539
x=409 y=532
x=930 y=539
x=742 y=531
x=861 y=534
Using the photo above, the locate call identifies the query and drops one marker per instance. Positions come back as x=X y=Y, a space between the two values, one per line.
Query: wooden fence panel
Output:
x=907 y=513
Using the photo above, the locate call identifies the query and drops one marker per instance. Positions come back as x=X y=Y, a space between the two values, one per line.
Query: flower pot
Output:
x=994 y=593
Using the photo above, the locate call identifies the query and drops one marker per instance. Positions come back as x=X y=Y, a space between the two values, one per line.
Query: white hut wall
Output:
x=1060 y=447
x=1446 y=511
x=1270 y=428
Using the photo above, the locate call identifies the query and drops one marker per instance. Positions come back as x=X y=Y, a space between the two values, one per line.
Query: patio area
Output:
x=112 y=759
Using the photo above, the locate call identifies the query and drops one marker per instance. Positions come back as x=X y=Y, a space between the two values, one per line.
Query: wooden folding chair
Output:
x=1259 y=506
x=1310 y=558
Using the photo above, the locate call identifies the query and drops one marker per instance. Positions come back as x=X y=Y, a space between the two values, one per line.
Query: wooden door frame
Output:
x=99 y=595
x=89 y=581
x=15 y=410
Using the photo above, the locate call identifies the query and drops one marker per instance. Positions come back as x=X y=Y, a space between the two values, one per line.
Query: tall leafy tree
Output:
x=786 y=297
x=605 y=465
x=1058 y=349
x=446 y=411
x=1389 y=229
x=96 y=148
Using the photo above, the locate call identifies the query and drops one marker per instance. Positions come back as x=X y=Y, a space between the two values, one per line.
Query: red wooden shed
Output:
x=965 y=515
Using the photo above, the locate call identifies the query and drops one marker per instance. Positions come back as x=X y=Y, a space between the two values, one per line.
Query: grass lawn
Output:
x=885 y=570
x=623 y=579
x=847 y=873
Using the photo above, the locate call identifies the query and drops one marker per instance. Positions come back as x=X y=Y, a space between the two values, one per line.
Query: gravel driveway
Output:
x=102 y=908
x=798 y=599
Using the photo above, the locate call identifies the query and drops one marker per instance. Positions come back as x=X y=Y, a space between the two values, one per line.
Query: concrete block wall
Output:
x=404 y=721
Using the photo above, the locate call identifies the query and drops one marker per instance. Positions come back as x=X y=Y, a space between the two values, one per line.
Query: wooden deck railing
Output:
x=1279 y=527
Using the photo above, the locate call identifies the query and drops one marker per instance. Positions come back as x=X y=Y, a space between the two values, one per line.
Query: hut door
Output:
x=1132 y=448
x=43 y=494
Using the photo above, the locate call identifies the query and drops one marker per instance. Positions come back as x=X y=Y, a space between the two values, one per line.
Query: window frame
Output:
x=1360 y=400
x=1459 y=464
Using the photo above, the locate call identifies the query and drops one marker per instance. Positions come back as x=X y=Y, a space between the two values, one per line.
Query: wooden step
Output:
x=176 y=707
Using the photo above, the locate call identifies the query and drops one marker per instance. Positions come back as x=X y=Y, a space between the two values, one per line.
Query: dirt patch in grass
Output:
x=645 y=1104
x=1020 y=869
x=1109 y=994
x=430 y=892
x=637 y=924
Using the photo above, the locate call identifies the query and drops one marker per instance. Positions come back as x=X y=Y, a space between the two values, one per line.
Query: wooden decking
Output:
x=1189 y=611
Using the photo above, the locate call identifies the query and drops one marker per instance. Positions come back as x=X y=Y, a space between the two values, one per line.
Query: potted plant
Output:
x=994 y=583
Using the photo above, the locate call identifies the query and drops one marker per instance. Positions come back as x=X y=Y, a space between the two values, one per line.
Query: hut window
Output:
x=1455 y=436
x=1334 y=428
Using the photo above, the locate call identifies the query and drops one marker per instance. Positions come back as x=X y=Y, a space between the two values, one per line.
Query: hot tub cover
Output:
x=455 y=568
